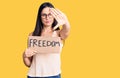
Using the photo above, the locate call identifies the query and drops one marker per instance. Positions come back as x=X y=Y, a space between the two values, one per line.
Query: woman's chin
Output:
x=48 y=25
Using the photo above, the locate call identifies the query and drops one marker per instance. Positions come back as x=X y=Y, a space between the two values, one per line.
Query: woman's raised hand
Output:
x=59 y=16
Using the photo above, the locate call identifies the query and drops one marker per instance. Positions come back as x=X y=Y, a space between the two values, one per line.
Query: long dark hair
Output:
x=39 y=25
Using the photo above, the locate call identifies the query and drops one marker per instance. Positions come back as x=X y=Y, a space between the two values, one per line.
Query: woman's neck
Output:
x=47 y=29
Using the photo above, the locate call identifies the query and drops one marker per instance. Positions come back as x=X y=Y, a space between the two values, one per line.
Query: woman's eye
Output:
x=44 y=14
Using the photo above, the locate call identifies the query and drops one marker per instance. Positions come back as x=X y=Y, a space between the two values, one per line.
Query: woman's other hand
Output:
x=29 y=52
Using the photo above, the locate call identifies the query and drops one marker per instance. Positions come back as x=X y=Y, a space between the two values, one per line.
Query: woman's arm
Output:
x=28 y=55
x=64 y=32
x=27 y=60
x=62 y=21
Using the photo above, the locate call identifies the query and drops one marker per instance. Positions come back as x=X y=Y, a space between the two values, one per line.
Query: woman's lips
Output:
x=47 y=22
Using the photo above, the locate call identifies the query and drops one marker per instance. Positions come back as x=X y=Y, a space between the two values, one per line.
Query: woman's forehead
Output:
x=46 y=10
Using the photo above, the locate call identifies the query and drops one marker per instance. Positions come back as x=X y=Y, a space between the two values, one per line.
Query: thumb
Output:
x=56 y=27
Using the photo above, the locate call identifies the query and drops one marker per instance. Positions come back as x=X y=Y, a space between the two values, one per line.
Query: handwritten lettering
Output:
x=43 y=43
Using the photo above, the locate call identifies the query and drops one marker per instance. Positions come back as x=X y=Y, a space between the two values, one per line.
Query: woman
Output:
x=48 y=21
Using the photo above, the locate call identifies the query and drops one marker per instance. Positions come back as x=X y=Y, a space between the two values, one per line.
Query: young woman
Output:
x=47 y=25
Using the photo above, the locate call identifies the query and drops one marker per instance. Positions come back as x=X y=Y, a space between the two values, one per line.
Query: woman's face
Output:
x=46 y=17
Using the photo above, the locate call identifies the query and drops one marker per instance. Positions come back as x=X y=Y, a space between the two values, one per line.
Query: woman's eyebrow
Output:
x=45 y=13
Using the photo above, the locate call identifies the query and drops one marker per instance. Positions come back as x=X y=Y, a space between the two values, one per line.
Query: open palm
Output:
x=59 y=16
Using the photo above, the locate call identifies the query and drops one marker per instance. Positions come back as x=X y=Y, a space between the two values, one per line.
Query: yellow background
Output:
x=91 y=51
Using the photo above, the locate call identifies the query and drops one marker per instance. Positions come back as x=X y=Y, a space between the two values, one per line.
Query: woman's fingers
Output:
x=34 y=52
x=29 y=52
x=60 y=12
x=54 y=14
x=59 y=16
x=55 y=11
